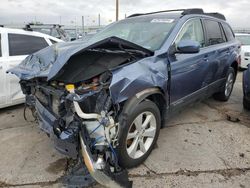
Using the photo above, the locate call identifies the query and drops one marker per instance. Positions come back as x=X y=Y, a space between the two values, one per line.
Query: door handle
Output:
x=205 y=59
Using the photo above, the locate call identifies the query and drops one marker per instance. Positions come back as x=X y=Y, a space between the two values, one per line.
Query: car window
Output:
x=0 y=46
x=228 y=31
x=146 y=31
x=25 y=44
x=192 y=30
x=214 y=33
x=223 y=33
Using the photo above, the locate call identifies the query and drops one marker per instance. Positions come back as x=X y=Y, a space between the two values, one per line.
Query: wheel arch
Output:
x=155 y=95
x=235 y=66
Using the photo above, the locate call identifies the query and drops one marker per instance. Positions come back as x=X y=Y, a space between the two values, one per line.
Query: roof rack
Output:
x=142 y=14
x=216 y=15
x=184 y=12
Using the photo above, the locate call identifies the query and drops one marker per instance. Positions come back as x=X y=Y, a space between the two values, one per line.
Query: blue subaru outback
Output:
x=106 y=98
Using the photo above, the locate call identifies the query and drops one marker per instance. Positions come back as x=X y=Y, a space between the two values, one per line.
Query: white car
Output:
x=15 y=46
x=245 y=49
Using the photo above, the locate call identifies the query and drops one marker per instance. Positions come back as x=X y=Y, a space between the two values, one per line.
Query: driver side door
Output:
x=189 y=72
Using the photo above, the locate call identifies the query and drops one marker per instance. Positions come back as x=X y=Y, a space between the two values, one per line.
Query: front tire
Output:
x=227 y=88
x=140 y=131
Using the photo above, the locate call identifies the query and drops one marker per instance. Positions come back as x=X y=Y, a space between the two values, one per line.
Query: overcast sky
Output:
x=49 y=11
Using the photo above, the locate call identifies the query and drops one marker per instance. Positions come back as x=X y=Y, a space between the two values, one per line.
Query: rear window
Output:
x=214 y=33
x=25 y=44
x=228 y=31
x=0 y=46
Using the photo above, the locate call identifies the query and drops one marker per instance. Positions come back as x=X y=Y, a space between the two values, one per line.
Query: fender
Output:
x=131 y=103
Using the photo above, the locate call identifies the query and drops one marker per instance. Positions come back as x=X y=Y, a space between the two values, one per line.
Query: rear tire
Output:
x=246 y=104
x=137 y=137
x=225 y=94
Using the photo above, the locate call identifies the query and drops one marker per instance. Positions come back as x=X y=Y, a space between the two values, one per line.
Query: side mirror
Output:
x=188 y=47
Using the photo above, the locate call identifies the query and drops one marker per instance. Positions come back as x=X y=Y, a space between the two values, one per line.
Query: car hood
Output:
x=54 y=61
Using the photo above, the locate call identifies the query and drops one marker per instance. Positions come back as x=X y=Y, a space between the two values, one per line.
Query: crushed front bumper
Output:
x=97 y=174
x=66 y=143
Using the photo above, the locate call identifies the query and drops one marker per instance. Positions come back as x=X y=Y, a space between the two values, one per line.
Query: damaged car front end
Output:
x=79 y=91
x=80 y=115
x=76 y=132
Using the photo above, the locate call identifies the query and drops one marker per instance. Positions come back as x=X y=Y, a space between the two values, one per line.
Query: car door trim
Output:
x=194 y=95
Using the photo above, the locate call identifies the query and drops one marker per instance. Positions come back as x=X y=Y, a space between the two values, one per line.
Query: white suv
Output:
x=15 y=45
x=244 y=38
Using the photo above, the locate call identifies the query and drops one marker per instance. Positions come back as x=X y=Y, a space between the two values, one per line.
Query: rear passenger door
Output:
x=217 y=52
x=20 y=46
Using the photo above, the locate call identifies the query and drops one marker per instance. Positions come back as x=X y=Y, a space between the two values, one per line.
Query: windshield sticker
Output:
x=162 y=21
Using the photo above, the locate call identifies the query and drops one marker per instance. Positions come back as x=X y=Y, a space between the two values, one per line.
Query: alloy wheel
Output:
x=229 y=84
x=141 y=135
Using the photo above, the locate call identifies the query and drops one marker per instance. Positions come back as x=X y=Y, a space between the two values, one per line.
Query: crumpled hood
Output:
x=49 y=61
x=40 y=63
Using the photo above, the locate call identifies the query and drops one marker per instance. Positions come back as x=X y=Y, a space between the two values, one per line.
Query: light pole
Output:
x=117 y=10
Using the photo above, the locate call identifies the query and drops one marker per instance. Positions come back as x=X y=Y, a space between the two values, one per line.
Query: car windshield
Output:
x=244 y=39
x=147 y=32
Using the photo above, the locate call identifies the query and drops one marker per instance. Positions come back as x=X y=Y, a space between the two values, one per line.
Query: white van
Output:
x=15 y=46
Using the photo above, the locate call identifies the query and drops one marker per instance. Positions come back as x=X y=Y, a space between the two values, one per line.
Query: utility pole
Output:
x=117 y=10
x=99 y=20
x=83 y=25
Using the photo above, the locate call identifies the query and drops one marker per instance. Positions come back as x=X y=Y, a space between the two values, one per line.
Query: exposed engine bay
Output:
x=86 y=119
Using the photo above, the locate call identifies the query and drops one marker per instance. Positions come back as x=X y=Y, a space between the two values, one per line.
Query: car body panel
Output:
x=246 y=84
x=245 y=60
x=130 y=79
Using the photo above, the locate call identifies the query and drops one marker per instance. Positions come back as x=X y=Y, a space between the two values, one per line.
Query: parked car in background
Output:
x=110 y=95
x=245 y=49
x=54 y=30
x=15 y=46
x=246 y=88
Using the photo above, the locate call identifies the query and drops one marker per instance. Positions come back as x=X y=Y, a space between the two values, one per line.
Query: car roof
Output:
x=24 y=32
x=179 y=13
x=242 y=34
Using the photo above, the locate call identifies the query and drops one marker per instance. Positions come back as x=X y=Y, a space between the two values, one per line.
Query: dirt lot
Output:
x=200 y=147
